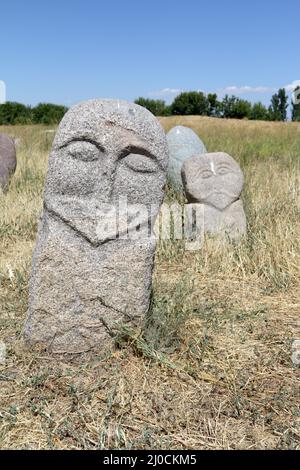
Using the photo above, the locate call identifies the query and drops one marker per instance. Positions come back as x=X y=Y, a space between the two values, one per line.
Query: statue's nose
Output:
x=105 y=179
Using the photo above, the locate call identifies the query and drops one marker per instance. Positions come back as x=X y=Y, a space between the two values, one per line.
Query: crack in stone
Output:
x=102 y=302
x=109 y=330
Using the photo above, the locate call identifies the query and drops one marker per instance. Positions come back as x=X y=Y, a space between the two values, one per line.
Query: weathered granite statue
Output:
x=216 y=181
x=182 y=143
x=91 y=270
x=8 y=160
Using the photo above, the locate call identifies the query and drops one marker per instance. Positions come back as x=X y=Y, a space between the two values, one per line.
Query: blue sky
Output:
x=67 y=51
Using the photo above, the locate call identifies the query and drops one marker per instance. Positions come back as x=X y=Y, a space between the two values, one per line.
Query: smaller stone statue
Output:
x=215 y=180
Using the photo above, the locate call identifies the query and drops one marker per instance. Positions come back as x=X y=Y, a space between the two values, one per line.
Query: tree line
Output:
x=186 y=103
x=198 y=103
x=12 y=113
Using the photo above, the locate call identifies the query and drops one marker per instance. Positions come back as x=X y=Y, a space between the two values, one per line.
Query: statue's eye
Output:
x=223 y=170
x=85 y=151
x=206 y=174
x=140 y=163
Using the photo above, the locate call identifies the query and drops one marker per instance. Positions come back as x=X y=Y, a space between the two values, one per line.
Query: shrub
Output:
x=47 y=113
x=14 y=113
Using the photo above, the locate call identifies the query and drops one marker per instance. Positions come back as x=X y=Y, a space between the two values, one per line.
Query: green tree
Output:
x=227 y=106
x=283 y=103
x=259 y=112
x=156 y=107
x=296 y=105
x=47 y=113
x=15 y=113
x=190 y=102
x=242 y=109
x=233 y=107
x=279 y=105
x=214 y=105
x=274 y=108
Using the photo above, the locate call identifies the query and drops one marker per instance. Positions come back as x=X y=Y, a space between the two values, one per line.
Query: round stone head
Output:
x=212 y=178
x=183 y=142
x=105 y=150
x=8 y=160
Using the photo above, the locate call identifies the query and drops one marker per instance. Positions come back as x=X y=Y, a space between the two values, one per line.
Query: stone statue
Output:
x=92 y=272
x=216 y=181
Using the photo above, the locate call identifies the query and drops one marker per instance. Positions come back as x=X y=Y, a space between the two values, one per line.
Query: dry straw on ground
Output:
x=213 y=368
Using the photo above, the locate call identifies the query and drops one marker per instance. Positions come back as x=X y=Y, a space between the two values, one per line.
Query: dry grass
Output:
x=213 y=369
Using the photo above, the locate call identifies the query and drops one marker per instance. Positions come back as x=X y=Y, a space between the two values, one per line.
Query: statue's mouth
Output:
x=220 y=199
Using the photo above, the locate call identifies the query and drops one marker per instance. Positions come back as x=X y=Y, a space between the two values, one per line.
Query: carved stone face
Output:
x=104 y=150
x=212 y=178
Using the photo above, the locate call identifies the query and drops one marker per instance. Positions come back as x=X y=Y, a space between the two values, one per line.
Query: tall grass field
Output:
x=213 y=366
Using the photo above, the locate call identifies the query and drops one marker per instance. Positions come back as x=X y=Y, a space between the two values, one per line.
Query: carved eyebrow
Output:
x=135 y=149
x=138 y=149
x=207 y=168
x=224 y=164
x=82 y=139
